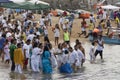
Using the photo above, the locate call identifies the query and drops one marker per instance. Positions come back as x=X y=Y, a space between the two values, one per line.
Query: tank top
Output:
x=99 y=47
x=66 y=36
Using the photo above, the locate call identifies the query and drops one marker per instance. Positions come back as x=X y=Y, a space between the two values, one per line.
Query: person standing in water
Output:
x=91 y=53
x=6 y=52
x=100 y=47
x=18 y=58
x=35 y=58
x=12 y=48
x=46 y=62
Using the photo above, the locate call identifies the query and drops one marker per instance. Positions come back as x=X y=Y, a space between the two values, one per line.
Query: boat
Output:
x=113 y=36
x=108 y=40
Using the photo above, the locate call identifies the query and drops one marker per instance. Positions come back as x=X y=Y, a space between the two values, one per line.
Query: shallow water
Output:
x=107 y=70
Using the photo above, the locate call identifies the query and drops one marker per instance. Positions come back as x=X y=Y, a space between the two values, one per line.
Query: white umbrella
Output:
x=118 y=3
x=110 y=7
x=18 y=1
x=38 y=2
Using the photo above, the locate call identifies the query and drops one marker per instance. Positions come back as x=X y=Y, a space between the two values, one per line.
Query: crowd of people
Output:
x=20 y=43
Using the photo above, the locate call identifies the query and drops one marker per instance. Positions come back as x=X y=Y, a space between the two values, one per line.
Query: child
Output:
x=18 y=58
x=91 y=53
x=57 y=34
x=66 y=37
x=45 y=28
x=6 y=52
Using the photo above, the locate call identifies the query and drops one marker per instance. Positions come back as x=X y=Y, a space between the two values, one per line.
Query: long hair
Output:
x=46 y=48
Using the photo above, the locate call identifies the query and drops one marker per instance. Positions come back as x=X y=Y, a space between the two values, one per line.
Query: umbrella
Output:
x=118 y=3
x=10 y=5
x=39 y=2
x=28 y=6
x=18 y=1
x=110 y=7
x=5 y=1
x=33 y=5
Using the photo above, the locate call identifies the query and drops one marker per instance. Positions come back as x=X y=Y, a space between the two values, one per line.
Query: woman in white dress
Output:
x=74 y=59
x=59 y=54
x=57 y=34
x=53 y=58
x=6 y=52
x=91 y=53
x=35 y=58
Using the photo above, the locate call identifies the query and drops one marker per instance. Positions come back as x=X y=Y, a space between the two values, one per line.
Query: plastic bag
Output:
x=66 y=68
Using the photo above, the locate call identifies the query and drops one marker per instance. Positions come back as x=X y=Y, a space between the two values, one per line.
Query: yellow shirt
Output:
x=91 y=26
x=117 y=20
x=18 y=56
x=24 y=36
x=103 y=25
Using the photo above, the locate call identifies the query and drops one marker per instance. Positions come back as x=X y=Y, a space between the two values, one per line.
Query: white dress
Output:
x=81 y=56
x=6 y=51
x=104 y=15
x=74 y=58
x=91 y=53
x=56 y=33
x=53 y=58
x=59 y=56
x=27 y=50
x=35 y=59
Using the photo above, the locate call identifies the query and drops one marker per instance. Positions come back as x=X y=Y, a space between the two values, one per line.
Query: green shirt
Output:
x=12 y=48
x=66 y=36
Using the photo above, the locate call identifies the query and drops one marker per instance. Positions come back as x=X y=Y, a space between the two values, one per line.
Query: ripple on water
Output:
x=107 y=70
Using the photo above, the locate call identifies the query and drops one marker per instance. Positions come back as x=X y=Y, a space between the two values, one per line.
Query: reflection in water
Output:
x=107 y=70
x=14 y=75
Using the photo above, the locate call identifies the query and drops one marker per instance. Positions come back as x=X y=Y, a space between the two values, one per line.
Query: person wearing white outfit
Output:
x=59 y=54
x=104 y=15
x=53 y=58
x=91 y=53
x=35 y=58
x=61 y=21
x=74 y=59
x=50 y=18
x=100 y=47
x=57 y=34
x=80 y=55
x=26 y=50
x=6 y=51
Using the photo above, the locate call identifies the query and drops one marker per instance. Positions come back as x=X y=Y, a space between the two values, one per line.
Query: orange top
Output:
x=96 y=30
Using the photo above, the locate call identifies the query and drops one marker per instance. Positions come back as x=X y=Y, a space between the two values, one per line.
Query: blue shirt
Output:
x=2 y=41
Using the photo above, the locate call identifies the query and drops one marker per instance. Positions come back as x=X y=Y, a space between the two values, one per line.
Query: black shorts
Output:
x=67 y=42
